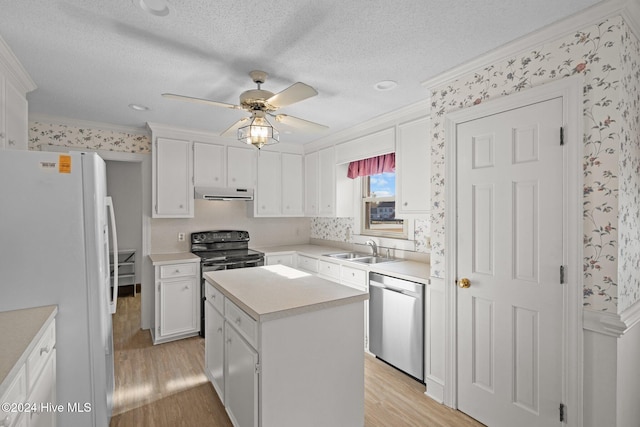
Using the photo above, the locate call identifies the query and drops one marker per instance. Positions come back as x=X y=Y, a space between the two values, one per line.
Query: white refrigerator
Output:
x=56 y=223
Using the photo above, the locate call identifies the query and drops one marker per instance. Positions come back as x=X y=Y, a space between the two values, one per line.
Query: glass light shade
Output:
x=258 y=133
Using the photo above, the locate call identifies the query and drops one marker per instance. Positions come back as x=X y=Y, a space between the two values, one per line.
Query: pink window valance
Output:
x=372 y=166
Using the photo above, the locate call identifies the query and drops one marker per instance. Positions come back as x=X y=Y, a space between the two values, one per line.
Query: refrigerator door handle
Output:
x=114 y=238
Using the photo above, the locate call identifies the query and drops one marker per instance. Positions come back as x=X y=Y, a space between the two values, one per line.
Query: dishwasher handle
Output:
x=392 y=289
x=400 y=285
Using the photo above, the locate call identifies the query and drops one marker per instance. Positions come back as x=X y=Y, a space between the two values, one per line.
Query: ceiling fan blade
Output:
x=234 y=127
x=301 y=124
x=201 y=101
x=295 y=93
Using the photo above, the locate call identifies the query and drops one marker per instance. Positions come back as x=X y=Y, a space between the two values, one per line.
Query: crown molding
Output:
x=612 y=324
x=383 y=121
x=592 y=15
x=46 y=118
x=631 y=15
x=10 y=66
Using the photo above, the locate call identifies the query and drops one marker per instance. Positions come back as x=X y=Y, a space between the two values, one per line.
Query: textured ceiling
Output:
x=92 y=58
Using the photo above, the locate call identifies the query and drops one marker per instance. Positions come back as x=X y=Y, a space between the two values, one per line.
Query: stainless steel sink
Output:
x=360 y=257
x=348 y=255
x=373 y=260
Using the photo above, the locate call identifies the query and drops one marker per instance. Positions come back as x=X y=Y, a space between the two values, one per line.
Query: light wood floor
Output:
x=165 y=385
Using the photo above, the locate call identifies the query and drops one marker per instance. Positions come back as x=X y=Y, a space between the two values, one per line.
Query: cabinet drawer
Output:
x=329 y=269
x=17 y=393
x=308 y=263
x=280 y=259
x=41 y=353
x=354 y=276
x=178 y=270
x=215 y=297
x=240 y=320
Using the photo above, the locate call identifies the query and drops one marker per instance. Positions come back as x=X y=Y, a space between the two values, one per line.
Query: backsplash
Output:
x=611 y=156
x=62 y=135
x=341 y=230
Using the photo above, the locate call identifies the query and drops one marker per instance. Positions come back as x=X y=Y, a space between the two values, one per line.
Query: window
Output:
x=378 y=207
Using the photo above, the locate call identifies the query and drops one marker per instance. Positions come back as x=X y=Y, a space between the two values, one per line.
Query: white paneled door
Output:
x=510 y=248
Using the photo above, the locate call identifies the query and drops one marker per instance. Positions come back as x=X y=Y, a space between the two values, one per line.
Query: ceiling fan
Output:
x=256 y=129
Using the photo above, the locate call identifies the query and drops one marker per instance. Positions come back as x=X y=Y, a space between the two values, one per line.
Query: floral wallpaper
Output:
x=41 y=134
x=341 y=229
x=629 y=191
x=595 y=53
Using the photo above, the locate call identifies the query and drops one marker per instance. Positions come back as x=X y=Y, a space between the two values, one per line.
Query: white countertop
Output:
x=19 y=332
x=408 y=270
x=161 y=259
x=276 y=291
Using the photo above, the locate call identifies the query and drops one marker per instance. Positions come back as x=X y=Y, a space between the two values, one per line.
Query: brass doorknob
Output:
x=464 y=283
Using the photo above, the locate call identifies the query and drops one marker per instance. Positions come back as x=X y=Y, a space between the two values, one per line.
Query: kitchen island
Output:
x=284 y=347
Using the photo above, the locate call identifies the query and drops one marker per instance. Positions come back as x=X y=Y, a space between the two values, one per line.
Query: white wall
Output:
x=227 y=215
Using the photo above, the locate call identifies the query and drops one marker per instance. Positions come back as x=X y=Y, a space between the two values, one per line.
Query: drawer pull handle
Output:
x=219 y=330
x=228 y=340
x=213 y=296
x=238 y=320
x=6 y=421
x=44 y=350
x=177 y=271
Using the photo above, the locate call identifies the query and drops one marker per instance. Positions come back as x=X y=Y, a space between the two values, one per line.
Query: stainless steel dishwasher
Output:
x=396 y=323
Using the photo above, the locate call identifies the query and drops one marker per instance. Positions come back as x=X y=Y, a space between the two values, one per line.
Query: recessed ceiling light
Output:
x=153 y=7
x=385 y=85
x=138 y=107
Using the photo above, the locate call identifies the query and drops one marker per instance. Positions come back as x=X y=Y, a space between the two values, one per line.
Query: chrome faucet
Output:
x=374 y=246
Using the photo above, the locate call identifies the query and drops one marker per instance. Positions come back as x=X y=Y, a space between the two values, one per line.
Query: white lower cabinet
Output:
x=44 y=390
x=34 y=385
x=241 y=379
x=214 y=348
x=177 y=302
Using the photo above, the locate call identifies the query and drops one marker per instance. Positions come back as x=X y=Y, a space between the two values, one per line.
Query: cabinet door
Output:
x=413 y=167
x=292 y=185
x=178 y=306
x=326 y=166
x=241 y=380
x=241 y=166
x=311 y=184
x=16 y=124
x=214 y=348
x=267 y=197
x=173 y=182
x=208 y=165
x=44 y=391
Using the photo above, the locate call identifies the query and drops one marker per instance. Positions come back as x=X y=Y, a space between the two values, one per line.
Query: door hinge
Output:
x=158 y=288
x=258 y=368
x=561 y=135
x=562 y=274
x=562 y=411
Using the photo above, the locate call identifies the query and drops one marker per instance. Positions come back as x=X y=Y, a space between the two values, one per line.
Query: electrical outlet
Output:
x=180 y=237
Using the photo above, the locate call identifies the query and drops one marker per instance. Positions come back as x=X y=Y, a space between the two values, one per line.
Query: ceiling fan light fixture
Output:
x=258 y=133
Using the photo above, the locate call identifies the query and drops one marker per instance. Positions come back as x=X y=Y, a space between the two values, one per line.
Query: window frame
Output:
x=366 y=198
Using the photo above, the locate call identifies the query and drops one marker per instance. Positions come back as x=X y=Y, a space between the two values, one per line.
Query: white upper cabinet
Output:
x=268 y=194
x=172 y=171
x=241 y=167
x=311 y=184
x=413 y=167
x=292 y=185
x=209 y=165
x=14 y=85
x=327 y=182
x=279 y=190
